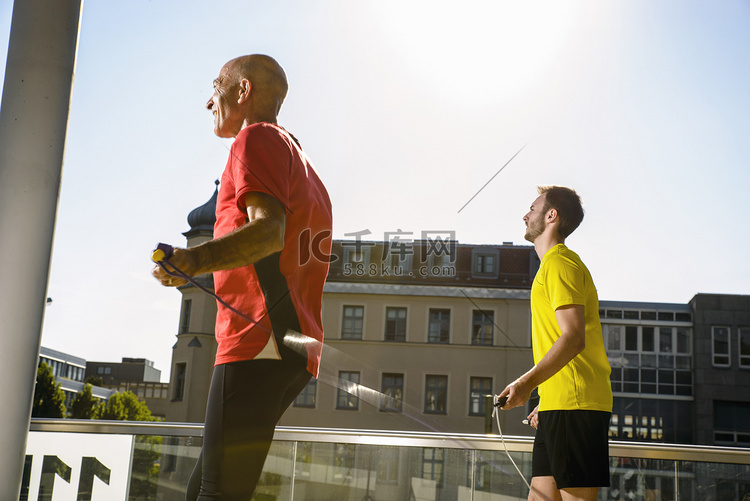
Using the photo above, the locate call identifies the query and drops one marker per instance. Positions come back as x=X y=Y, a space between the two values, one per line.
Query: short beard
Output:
x=533 y=230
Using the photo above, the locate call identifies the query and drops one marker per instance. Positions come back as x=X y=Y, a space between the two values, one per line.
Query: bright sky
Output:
x=407 y=109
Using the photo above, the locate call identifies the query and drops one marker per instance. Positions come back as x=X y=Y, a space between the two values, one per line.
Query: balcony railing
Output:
x=126 y=461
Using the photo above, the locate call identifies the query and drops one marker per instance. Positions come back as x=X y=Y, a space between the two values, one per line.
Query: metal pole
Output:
x=488 y=408
x=33 y=123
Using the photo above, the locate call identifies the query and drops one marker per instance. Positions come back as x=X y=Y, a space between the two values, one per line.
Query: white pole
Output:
x=33 y=122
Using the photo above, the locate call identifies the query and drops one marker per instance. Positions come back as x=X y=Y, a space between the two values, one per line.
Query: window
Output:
x=439 y=326
x=647 y=339
x=347 y=399
x=399 y=261
x=652 y=360
x=648 y=315
x=683 y=340
x=432 y=464
x=666 y=316
x=479 y=387
x=651 y=420
x=185 y=319
x=745 y=347
x=441 y=265
x=614 y=338
x=180 y=370
x=436 y=393
x=732 y=423
x=481 y=327
x=485 y=264
x=631 y=338
x=388 y=459
x=720 y=344
x=356 y=260
x=306 y=398
x=395 y=324
x=666 y=343
x=393 y=391
x=351 y=325
x=683 y=317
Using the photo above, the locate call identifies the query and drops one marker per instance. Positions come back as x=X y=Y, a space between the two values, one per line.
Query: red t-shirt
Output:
x=282 y=292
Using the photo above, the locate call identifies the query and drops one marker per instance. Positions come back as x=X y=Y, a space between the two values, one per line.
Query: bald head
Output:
x=268 y=80
x=248 y=90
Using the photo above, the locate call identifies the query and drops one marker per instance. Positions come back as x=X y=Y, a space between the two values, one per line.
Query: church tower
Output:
x=194 y=352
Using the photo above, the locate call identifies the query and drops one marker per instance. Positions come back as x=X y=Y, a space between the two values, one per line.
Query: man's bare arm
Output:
x=571 y=342
x=262 y=236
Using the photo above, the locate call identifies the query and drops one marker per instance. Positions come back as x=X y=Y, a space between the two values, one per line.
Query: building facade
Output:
x=650 y=349
x=417 y=332
x=432 y=329
x=70 y=373
x=722 y=369
x=680 y=372
x=136 y=375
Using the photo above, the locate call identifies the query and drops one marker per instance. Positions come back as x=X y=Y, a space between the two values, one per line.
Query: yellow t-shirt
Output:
x=583 y=384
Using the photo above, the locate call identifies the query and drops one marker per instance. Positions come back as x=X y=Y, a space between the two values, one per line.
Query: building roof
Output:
x=203 y=218
x=438 y=262
x=62 y=357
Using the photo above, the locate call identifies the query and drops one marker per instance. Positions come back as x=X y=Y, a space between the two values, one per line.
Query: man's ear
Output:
x=551 y=215
x=245 y=87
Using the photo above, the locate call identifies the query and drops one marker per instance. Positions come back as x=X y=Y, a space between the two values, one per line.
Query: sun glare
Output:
x=497 y=49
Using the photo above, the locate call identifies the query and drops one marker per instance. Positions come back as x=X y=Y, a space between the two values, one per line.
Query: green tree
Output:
x=94 y=381
x=49 y=399
x=84 y=405
x=144 y=478
x=126 y=407
x=145 y=471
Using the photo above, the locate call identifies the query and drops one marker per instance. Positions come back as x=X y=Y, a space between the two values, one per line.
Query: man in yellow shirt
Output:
x=571 y=453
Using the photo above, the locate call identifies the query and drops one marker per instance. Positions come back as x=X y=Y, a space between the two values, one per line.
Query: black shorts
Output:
x=572 y=446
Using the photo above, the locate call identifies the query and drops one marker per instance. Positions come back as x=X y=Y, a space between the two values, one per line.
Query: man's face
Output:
x=223 y=104
x=534 y=220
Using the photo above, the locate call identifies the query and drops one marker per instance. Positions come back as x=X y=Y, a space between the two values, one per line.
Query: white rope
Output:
x=496 y=415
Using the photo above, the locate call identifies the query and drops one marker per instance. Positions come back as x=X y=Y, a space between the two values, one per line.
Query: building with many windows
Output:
x=70 y=373
x=721 y=327
x=680 y=372
x=650 y=349
x=136 y=375
x=432 y=327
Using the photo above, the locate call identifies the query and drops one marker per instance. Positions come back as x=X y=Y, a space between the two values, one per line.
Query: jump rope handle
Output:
x=162 y=253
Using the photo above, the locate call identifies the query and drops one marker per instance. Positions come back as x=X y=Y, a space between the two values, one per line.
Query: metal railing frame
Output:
x=641 y=450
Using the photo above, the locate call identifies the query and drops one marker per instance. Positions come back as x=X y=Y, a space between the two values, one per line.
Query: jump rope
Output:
x=299 y=342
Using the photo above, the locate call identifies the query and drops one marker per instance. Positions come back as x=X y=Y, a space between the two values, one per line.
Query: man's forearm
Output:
x=562 y=352
x=246 y=245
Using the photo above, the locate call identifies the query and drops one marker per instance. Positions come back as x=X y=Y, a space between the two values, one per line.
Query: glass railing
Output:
x=124 y=461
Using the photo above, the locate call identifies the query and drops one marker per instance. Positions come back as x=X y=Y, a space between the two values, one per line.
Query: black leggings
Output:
x=245 y=401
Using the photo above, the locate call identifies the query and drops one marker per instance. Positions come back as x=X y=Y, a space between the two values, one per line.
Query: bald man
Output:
x=271 y=206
